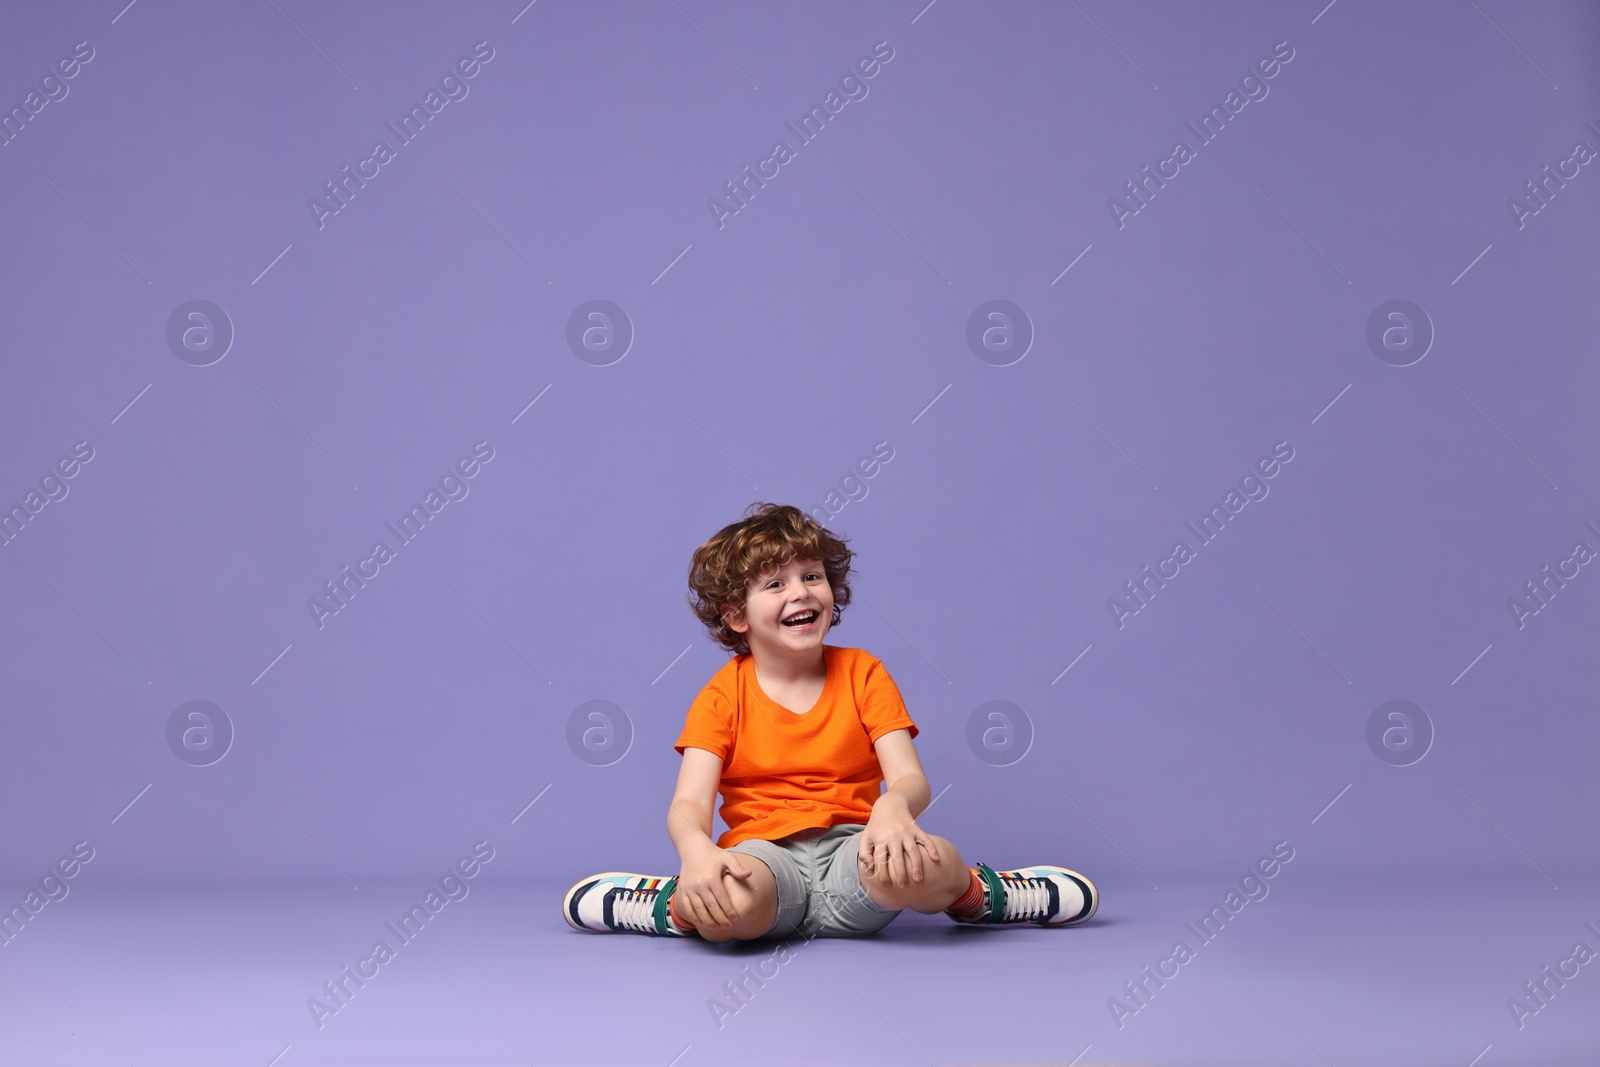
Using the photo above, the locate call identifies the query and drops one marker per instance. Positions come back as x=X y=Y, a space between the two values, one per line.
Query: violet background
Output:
x=827 y=315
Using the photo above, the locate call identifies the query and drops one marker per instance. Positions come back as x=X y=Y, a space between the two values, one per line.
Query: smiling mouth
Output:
x=801 y=622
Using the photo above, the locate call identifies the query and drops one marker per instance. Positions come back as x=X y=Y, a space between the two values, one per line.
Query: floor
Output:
x=1415 y=972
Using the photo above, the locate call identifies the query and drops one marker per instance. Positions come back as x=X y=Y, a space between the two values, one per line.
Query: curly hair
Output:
x=771 y=534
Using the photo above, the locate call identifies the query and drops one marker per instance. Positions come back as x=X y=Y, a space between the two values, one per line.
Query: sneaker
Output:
x=617 y=902
x=1048 y=896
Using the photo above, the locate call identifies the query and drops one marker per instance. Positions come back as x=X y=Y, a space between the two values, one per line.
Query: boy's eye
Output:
x=779 y=581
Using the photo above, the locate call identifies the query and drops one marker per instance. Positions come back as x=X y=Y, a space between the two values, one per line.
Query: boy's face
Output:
x=797 y=588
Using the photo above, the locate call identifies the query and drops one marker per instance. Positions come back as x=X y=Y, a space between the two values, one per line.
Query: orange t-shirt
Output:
x=783 y=772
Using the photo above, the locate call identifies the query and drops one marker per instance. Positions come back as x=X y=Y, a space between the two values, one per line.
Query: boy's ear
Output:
x=732 y=618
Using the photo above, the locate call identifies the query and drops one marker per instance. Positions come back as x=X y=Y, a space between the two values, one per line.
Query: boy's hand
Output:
x=891 y=841
x=701 y=897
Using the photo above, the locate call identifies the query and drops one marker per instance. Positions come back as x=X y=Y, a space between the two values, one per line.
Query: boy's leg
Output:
x=943 y=881
x=754 y=899
x=841 y=905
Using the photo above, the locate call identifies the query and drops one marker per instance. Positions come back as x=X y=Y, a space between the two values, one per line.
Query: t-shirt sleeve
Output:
x=882 y=708
x=709 y=724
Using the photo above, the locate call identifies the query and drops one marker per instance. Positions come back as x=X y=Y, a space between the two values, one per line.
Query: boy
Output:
x=799 y=736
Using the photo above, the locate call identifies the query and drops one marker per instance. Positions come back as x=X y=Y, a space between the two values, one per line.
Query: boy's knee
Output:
x=711 y=930
x=949 y=867
x=948 y=857
x=757 y=905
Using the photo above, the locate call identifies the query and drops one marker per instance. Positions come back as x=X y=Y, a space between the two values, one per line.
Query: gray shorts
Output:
x=819 y=883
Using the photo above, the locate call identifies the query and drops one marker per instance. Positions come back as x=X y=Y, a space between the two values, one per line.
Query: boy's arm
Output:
x=892 y=836
x=689 y=812
x=902 y=773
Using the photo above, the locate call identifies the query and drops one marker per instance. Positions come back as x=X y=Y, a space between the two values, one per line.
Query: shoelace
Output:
x=1027 y=899
x=634 y=909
